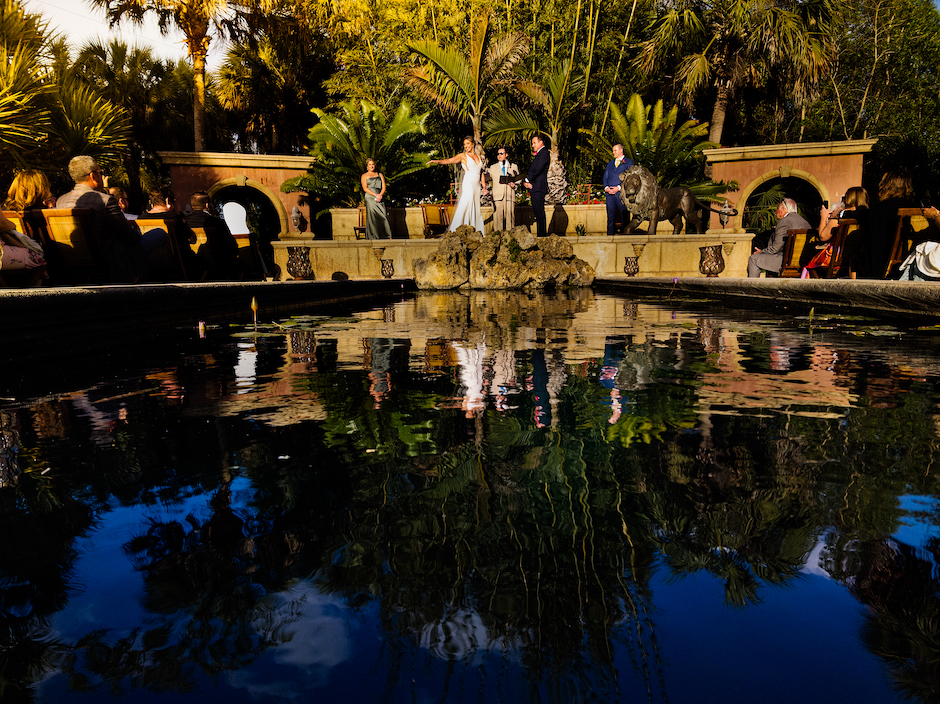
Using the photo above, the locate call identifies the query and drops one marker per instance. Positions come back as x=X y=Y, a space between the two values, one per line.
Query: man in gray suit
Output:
x=124 y=248
x=504 y=194
x=771 y=257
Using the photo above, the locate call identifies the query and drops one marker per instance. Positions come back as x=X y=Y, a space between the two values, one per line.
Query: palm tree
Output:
x=198 y=20
x=558 y=98
x=342 y=143
x=146 y=87
x=730 y=44
x=468 y=85
x=269 y=87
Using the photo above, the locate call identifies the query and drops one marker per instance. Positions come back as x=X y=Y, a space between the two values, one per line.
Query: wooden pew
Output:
x=72 y=248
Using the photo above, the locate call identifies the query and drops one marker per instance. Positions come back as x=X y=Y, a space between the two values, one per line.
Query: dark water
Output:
x=476 y=498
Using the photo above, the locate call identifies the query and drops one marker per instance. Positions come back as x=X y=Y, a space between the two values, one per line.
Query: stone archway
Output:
x=212 y=172
x=830 y=167
x=242 y=182
x=782 y=173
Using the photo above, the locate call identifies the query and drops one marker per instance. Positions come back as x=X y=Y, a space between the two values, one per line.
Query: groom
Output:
x=537 y=182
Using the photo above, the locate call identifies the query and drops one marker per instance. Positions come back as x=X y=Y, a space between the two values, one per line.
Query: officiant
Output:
x=504 y=191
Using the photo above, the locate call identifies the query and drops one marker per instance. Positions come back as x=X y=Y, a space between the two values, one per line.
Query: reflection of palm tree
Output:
x=901 y=589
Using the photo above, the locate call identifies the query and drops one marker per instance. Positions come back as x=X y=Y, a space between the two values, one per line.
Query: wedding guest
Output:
x=895 y=191
x=30 y=190
x=125 y=250
x=373 y=183
x=123 y=202
x=20 y=252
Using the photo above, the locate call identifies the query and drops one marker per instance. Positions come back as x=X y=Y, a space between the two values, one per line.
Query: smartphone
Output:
x=826 y=204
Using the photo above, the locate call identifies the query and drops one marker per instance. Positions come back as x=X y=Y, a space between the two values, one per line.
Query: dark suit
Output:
x=120 y=241
x=195 y=266
x=222 y=246
x=615 y=206
x=538 y=177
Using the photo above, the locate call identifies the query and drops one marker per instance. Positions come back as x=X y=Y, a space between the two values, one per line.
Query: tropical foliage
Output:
x=555 y=100
x=265 y=89
x=727 y=45
x=787 y=71
x=342 y=143
x=199 y=21
x=468 y=85
x=47 y=115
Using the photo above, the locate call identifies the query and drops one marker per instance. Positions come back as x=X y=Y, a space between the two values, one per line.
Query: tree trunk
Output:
x=199 y=98
x=557 y=178
x=718 y=115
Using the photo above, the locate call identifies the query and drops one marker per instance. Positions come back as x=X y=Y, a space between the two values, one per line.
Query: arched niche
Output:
x=241 y=182
x=783 y=172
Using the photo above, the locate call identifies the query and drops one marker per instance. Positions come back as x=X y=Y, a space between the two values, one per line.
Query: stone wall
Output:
x=662 y=255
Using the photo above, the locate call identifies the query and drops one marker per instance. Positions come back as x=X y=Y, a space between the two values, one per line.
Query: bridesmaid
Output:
x=373 y=183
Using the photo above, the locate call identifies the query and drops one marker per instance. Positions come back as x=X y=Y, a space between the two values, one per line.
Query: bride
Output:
x=468 y=211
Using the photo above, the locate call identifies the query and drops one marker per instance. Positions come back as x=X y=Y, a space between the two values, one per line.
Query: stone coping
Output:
x=782 y=151
x=908 y=299
x=254 y=161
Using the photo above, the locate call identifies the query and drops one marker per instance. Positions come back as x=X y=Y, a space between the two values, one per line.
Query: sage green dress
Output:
x=377 y=226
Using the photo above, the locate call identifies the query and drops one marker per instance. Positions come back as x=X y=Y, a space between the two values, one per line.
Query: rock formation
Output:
x=502 y=260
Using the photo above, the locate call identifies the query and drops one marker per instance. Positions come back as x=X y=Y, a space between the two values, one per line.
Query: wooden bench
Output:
x=904 y=238
x=71 y=247
x=166 y=263
x=837 y=246
x=436 y=221
x=792 y=249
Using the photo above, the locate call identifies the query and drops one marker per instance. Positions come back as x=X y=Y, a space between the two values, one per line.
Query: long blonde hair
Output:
x=856 y=197
x=30 y=189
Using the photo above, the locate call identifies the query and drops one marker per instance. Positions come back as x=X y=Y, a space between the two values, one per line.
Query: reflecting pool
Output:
x=481 y=497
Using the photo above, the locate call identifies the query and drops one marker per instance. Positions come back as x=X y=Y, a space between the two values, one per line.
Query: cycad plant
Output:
x=651 y=137
x=341 y=144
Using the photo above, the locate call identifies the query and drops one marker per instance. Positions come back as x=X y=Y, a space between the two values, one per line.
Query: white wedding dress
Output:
x=468 y=210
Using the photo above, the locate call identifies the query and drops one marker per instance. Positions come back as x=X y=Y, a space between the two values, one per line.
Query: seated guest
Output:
x=163 y=207
x=18 y=252
x=123 y=202
x=223 y=249
x=895 y=191
x=124 y=248
x=819 y=256
x=30 y=190
x=923 y=263
x=771 y=257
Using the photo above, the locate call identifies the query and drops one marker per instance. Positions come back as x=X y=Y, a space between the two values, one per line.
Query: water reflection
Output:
x=477 y=493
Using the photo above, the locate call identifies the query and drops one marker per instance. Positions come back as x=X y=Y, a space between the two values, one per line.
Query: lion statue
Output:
x=645 y=200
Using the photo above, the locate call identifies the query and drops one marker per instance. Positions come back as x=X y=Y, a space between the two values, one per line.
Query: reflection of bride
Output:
x=468 y=210
x=470 y=360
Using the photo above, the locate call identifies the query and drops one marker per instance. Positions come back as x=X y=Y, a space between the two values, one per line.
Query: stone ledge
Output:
x=909 y=299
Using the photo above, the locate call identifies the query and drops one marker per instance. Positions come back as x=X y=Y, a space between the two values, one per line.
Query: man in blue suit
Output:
x=537 y=182
x=615 y=167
